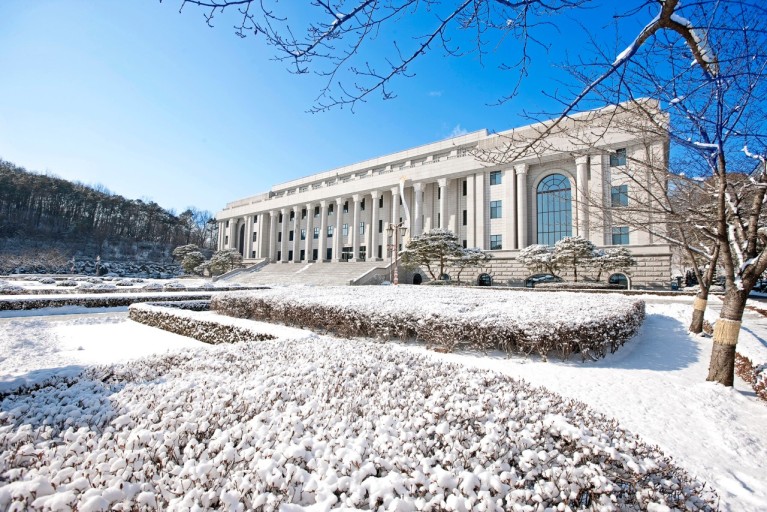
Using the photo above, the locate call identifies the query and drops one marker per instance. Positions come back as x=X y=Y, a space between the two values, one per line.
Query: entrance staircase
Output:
x=315 y=274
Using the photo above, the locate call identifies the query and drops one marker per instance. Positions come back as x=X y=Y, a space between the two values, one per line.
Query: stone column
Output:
x=442 y=183
x=395 y=206
x=471 y=235
x=248 y=237
x=582 y=187
x=309 y=242
x=509 y=211
x=273 y=236
x=232 y=234
x=260 y=235
x=522 y=222
x=418 y=209
x=338 y=235
x=296 y=234
x=323 y=231
x=373 y=235
x=355 y=229
x=284 y=231
x=481 y=210
x=221 y=234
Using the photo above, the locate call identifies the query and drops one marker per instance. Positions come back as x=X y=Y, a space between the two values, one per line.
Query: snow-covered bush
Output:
x=10 y=289
x=67 y=283
x=46 y=280
x=755 y=375
x=152 y=286
x=173 y=285
x=174 y=317
x=321 y=424
x=85 y=285
x=557 y=323
x=104 y=286
x=124 y=282
x=539 y=258
x=582 y=285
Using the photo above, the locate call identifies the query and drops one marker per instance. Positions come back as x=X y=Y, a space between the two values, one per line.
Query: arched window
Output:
x=554 y=209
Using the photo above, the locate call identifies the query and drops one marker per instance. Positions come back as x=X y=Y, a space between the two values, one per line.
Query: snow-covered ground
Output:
x=654 y=386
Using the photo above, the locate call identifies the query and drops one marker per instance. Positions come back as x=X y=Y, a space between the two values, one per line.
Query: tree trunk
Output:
x=698 y=311
x=722 y=366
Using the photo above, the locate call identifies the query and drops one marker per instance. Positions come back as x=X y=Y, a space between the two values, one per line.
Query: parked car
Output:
x=534 y=279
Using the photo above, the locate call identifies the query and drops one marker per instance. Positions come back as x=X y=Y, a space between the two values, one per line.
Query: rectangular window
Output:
x=439 y=220
x=255 y=219
x=495 y=178
x=303 y=234
x=380 y=251
x=346 y=207
x=380 y=225
x=362 y=228
x=255 y=237
x=292 y=214
x=226 y=240
x=621 y=235
x=330 y=231
x=316 y=211
x=618 y=158
x=439 y=192
x=463 y=185
x=314 y=254
x=464 y=244
x=496 y=242
x=330 y=209
x=345 y=229
x=620 y=195
x=279 y=255
x=302 y=254
x=329 y=253
x=362 y=205
x=227 y=224
x=303 y=213
x=290 y=255
x=290 y=235
x=380 y=202
x=316 y=233
x=279 y=236
x=279 y=219
x=253 y=254
x=496 y=210
x=363 y=253
x=465 y=217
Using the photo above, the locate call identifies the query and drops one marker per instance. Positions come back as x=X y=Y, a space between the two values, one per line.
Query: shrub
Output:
x=447 y=317
x=67 y=283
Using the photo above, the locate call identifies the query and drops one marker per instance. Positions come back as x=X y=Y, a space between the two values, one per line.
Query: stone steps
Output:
x=327 y=274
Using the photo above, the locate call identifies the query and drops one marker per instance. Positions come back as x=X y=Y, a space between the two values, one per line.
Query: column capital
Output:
x=296 y=208
x=418 y=186
x=582 y=160
x=520 y=168
x=356 y=197
x=339 y=201
x=375 y=194
x=283 y=210
x=323 y=203
x=308 y=207
x=395 y=190
x=442 y=182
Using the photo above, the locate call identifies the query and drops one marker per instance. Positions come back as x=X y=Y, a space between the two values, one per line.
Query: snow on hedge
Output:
x=320 y=423
x=552 y=323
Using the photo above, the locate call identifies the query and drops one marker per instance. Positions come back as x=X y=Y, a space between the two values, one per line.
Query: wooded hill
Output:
x=41 y=207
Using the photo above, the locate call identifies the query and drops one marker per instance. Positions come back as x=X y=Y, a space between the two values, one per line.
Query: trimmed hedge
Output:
x=102 y=301
x=175 y=317
x=470 y=322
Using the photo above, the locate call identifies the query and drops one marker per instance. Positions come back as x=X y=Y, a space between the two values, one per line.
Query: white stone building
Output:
x=500 y=192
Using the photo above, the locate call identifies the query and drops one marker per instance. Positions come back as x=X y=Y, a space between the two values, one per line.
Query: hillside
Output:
x=41 y=213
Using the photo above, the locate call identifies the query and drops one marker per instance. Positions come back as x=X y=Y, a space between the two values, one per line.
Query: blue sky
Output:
x=154 y=104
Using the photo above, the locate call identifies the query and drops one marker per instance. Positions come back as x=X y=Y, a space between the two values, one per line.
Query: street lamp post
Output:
x=395 y=232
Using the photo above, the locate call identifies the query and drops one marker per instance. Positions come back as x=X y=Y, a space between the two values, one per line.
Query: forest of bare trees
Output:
x=42 y=207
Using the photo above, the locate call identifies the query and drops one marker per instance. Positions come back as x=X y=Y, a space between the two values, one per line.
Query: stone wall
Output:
x=653 y=269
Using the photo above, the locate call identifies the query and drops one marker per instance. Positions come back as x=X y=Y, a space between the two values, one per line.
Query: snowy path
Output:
x=656 y=386
x=33 y=348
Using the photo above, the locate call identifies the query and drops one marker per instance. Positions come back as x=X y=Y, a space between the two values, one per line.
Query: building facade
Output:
x=499 y=192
